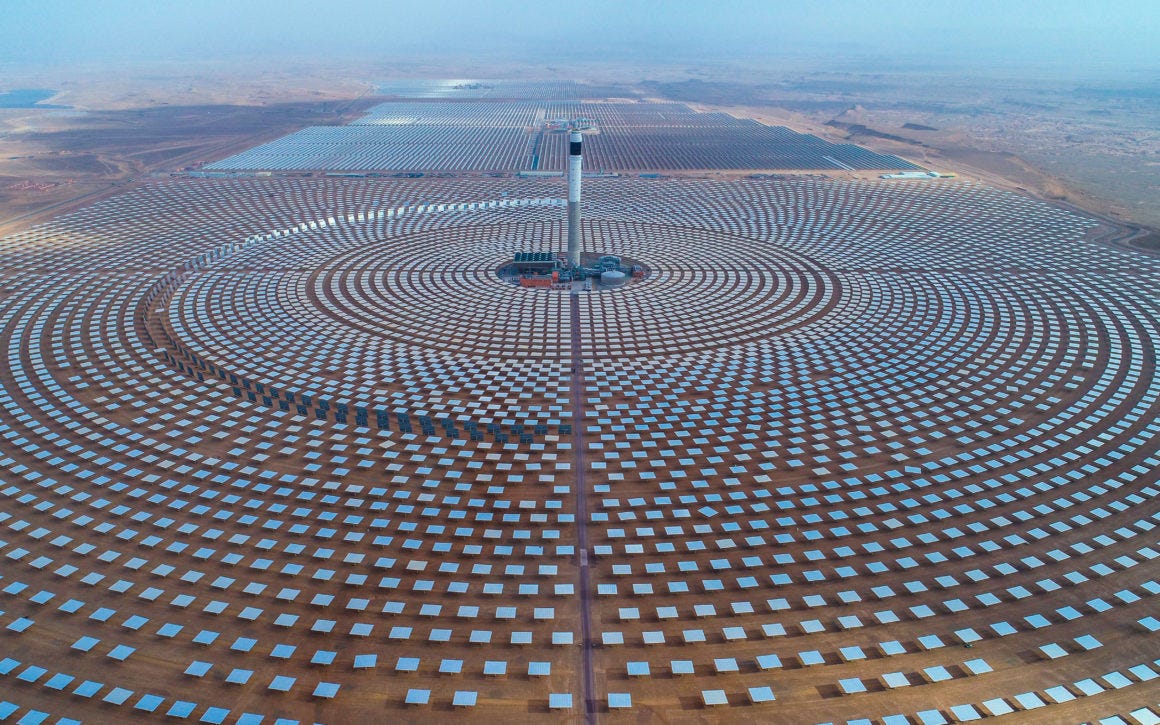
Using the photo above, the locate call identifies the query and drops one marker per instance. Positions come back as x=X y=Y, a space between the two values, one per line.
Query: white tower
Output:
x=575 y=139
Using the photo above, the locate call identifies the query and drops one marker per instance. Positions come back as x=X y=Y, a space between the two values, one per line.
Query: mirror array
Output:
x=528 y=136
x=288 y=450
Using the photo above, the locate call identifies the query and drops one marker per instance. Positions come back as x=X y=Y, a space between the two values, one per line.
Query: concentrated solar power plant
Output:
x=486 y=114
x=495 y=89
x=292 y=450
x=528 y=136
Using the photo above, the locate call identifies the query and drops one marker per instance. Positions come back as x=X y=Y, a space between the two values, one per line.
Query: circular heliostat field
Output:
x=354 y=322
x=290 y=450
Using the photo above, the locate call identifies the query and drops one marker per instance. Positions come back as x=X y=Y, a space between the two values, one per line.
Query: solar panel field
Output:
x=290 y=450
x=420 y=136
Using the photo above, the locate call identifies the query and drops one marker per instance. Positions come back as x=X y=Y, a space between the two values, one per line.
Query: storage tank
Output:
x=612 y=278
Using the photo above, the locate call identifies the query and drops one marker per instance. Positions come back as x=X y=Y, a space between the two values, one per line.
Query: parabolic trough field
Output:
x=287 y=449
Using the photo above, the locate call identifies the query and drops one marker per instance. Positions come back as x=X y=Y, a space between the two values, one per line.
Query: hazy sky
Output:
x=989 y=31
